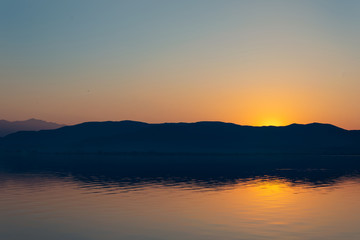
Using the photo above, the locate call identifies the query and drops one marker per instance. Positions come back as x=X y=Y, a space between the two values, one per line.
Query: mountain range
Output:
x=7 y=127
x=186 y=138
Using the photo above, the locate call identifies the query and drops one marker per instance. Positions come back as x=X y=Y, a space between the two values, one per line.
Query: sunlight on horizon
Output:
x=272 y=122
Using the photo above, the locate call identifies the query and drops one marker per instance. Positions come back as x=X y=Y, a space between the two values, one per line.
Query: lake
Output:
x=136 y=202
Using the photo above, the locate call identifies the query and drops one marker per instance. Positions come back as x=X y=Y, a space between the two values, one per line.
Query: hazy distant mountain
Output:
x=7 y=127
x=200 y=137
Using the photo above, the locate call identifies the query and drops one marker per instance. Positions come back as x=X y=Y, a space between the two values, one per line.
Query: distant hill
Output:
x=187 y=138
x=7 y=127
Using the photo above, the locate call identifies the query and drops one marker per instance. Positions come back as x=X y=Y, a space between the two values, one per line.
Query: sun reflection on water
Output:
x=271 y=187
x=265 y=207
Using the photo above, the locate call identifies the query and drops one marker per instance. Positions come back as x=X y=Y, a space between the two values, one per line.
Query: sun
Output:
x=271 y=122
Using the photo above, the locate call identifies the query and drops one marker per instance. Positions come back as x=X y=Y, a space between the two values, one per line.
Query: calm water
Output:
x=279 y=204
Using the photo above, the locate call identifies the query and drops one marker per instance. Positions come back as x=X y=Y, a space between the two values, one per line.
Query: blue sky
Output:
x=248 y=62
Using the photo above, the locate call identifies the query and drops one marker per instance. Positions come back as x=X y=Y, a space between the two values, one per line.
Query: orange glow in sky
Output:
x=246 y=62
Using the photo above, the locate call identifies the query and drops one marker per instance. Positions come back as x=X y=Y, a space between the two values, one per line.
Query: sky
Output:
x=250 y=62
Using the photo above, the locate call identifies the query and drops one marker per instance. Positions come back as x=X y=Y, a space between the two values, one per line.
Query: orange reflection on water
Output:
x=263 y=208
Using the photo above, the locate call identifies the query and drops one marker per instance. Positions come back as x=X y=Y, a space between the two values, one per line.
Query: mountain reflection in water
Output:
x=107 y=197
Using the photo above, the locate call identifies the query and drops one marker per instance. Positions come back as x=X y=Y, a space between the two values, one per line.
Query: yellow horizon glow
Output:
x=271 y=122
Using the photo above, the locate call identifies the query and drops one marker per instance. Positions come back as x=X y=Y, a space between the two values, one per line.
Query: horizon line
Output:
x=179 y=122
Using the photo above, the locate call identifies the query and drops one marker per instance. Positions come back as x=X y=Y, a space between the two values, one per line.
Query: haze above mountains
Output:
x=189 y=138
x=8 y=127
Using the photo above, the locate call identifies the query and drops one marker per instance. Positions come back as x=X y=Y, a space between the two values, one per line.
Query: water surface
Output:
x=272 y=204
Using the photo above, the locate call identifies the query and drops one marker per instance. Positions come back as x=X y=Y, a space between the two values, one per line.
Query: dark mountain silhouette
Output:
x=204 y=171
x=126 y=137
x=7 y=127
